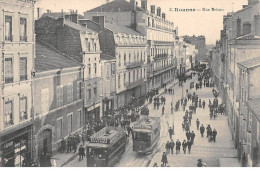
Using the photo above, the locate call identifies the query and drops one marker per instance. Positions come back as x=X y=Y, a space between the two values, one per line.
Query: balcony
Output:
x=23 y=77
x=9 y=38
x=9 y=80
x=135 y=64
x=161 y=56
x=131 y=85
x=163 y=69
x=23 y=38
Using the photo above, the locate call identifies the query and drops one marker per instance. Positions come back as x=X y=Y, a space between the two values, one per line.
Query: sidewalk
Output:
x=61 y=159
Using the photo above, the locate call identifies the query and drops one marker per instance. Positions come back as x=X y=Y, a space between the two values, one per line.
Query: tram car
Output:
x=106 y=147
x=146 y=134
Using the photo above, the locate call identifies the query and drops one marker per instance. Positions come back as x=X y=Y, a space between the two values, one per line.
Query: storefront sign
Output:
x=138 y=126
x=100 y=140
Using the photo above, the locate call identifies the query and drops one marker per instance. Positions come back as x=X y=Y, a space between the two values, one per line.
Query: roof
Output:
x=254 y=105
x=249 y=37
x=147 y=124
x=106 y=136
x=251 y=63
x=78 y=26
x=115 y=6
x=49 y=59
x=121 y=29
x=107 y=57
x=60 y=14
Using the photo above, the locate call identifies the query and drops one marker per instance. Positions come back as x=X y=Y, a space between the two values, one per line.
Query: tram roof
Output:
x=106 y=137
x=145 y=124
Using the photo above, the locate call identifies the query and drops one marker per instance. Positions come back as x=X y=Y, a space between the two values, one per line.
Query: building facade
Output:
x=239 y=42
x=17 y=64
x=82 y=44
x=159 y=33
x=58 y=99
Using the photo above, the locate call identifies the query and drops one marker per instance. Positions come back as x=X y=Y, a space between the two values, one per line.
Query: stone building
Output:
x=152 y=24
x=82 y=44
x=240 y=41
x=58 y=98
x=17 y=69
x=200 y=44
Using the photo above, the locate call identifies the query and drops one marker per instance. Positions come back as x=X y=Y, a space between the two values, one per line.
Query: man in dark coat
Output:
x=192 y=137
x=189 y=144
x=162 y=110
x=198 y=124
x=202 y=130
x=172 y=144
x=184 y=146
x=214 y=135
x=188 y=135
x=203 y=104
x=81 y=152
x=63 y=145
x=164 y=159
x=209 y=131
x=69 y=143
x=170 y=132
x=167 y=147
x=178 y=146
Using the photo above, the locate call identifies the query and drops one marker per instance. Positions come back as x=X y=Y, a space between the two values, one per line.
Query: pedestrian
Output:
x=167 y=147
x=129 y=130
x=74 y=144
x=209 y=130
x=164 y=159
x=158 y=104
x=172 y=144
x=200 y=163
x=170 y=132
x=63 y=145
x=155 y=165
x=203 y=104
x=81 y=152
x=189 y=144
x=202 y=130
x=192 y=137
x=69 y=143
x=198 y=124
x=183 y=126
x=188 y=135
x=162 y=110
x=214 y=135
x=184 y=146
x=178 y=146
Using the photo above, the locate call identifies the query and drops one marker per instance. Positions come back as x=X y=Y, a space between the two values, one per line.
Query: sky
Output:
x=208 y=23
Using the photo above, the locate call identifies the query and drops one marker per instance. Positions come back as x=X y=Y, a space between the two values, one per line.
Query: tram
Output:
x=146 y=134
x=106 y=147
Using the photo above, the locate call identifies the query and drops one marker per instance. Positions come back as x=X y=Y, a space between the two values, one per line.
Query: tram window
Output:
x=96 y=152
x=143 y=136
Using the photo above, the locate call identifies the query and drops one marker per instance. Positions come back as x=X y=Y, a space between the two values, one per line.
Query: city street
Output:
x=211 y=153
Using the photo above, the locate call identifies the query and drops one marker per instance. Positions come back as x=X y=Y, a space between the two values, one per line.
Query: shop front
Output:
x=16 y=148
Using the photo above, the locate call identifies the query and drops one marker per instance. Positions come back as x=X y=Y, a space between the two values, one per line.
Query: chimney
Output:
x=252 y=2
x=144 y=4
x=101 y=21
x=257 y=24
x=74 y=16
x=133 y=3
x=153 y=9
x=164 y=16
x=158 y=11
x=238 y=27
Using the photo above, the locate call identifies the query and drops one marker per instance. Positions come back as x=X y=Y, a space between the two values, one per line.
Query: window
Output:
x=9 y=78
x=258 y=132
x=93 y=45
x=59 y=128
x=149 y=24
x=137 y=75
x=129 y=77
x=119 y=59
x=113 y=68
x=89 y=93
x=95 y=92
x=141 y=73
x=250 y=122
x=87 y=45
x=124 y=78
x=129 y=57
x=79 y=119
x=8 y=28
x=23 y=29
x=70 y=93
x=45 y=100
x=70 y=116
x=23 y=68
x=79 y=85
x=133 y=75
x=9 y=118
x=59 y=91
x=89 y=69
x=124 y=57
x=23 y=108
x=144 y=73
x=95 y=67
x=119 y=86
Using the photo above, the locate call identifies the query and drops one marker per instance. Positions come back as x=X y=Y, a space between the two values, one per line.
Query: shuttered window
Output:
x=23 y=68
x=9 y=76
x=23 y=108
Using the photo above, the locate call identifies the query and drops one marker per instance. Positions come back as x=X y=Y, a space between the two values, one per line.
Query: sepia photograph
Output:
x=130 y=83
